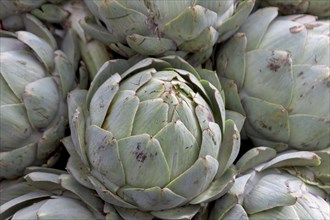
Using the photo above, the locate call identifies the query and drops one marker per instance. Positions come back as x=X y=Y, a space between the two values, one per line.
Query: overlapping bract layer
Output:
x=49 y=194
x=153 y=28
x=269 y=192
x=320 y=8
x=34 y=82
x=15 y=7
x=276 y=72
x=152 y=138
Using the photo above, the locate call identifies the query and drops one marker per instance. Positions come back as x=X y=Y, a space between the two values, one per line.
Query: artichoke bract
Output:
x=35 y=79
x=264 y=190
x=320 y=8
x=14 y=7
x=48 y=194
x=275 y=71
x=147 y=136
x=154 y=28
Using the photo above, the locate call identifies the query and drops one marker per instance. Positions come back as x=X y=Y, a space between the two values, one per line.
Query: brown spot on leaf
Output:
x=140 y=155
x=273 y=67
x=297 y=29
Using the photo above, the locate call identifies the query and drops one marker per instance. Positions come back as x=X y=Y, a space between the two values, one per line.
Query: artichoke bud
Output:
x=159 y=117
x=34 y=83
x=264 y=172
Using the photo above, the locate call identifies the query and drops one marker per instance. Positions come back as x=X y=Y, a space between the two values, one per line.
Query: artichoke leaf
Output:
x=42 y=49
x=229 y=26
x=229 y=147
x=15 y=127
x=103 y=154
x=316 y=137
x=203 y=42
x=15 y=161
x=312 y=206
x=198 y=177
x=269 y=119
x=180 y=63
x=49 y=209
x=299 y=158
x=238 y=119
x=50 y=13
x=145 y=64
x=254 y=157
x=236 y=212
x=268 y=73
x=114 y=15
x=154 y=89
x=98 y=32
x=152 y=199
x=78 y=170
x=107 y=196
x=151 y=117
x=42 y=101
x=27 y=69
x=133 y=214
x=196 y=16
x=255 y=33
x=226 y=65
x=64 y=69
x=9 y=208
x=179 y=213
x=211 y=140
x=232 y=99
x=218 y=106
x=181 y=150
x=102 y=99
x=311 y=82
x=285 y=212
x=121 y=114
x=223 y=205
x=138 y=80
x=286 y=35
x=150 y=46
x=34 y=25
x=141 y=156
x=266 y=194
x=86 y=195
x=220 y=185
x=108 y=69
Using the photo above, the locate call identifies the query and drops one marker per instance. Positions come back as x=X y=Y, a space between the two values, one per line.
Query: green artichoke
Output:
x=35 y=79
x=269 y=192
x=157 y=28
x=275 y=71
x=48 y=194
x=321 y=8
x=147 y=138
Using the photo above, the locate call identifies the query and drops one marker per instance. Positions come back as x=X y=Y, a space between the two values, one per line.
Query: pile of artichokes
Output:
x=173 y=110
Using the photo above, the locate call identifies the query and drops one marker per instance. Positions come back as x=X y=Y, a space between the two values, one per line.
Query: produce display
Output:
x=165 y=110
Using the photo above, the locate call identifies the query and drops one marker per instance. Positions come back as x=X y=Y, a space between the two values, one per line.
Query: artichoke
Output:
x=275 y=71
x=321 y=8
x=49 y=194
x=147 y=134
x=269 y=192
x=35 y=79
x=157 y=28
